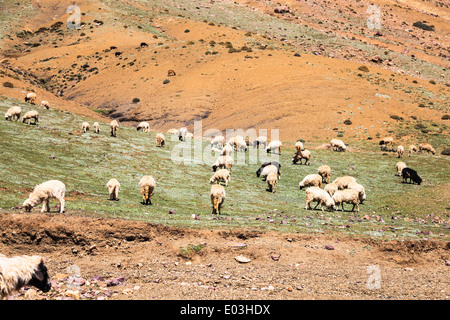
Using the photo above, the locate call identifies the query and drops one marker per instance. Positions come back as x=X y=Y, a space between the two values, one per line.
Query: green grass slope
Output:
x=56 y=149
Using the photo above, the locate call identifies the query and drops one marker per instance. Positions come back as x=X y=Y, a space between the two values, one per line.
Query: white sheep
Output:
x=331 y=188
x=113 y=186
x=360 y=188
x=412 y=149
x=19 y=271
x=260 y=141
x=241 y=145
x=144 y=126
x=299 y=146
x=426 y=147
x=267 y=170
x=400 y=151
x=217 y=142
x=221 y=175
x=302 y=154
x=343 y=182
x=45 y=191
x=233 y=141
x=45 y=104
x=348 y=196
x=160 y=140
x=337 y=145
x=388 y=141
x=311 y=180
x=272 y=180
x=399 y=166
x=217 y=196
x=316 y=194
x=274 y=146
x=182 y=133
x=227 y=150
x=147 y=185
x=13 y=113
x=33 y=114
x=324 y=171
x=85 y=127
x=31 y=98
x=113 y=125
x=223 y=162
x=173 y=131
x=96 y=126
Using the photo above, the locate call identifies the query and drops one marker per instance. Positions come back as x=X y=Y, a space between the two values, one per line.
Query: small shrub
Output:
x=136 y=100
x=432 y=82
x=421 y=105
x=166 y=81
x=232 y=50
x=187 y=31
x=423 y=26
x=395 y=117
x=419 y=126
x=190 y=42
x=446 y=152
x=8 y=84
x=348 y=122
x=446 y=117
x=190 y=250
x=363 y=68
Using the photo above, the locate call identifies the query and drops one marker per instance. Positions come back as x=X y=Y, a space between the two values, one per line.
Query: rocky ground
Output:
x=107 y=259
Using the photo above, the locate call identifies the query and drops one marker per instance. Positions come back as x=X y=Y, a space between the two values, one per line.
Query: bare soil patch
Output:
x=150 y=261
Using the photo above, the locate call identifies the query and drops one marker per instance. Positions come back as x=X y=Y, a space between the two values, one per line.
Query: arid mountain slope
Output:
x=297 y=72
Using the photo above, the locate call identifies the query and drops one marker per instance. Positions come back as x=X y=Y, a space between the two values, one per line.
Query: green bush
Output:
x=136 y=100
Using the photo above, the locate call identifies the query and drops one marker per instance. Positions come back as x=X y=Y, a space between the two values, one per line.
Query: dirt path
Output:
x=91 y=258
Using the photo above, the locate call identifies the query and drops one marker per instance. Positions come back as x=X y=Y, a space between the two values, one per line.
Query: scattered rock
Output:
x=30 y=294
x=115 y=282
x=74 y=294
x=275 y=257
x=376 y=59
x=242 y=259
x=127 y=291
x=329 y=247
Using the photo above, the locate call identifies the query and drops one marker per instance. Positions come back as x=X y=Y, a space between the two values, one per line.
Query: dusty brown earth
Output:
x=307 y=96
x=124 y=260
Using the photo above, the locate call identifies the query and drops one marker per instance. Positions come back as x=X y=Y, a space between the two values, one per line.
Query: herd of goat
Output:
x=18 y=271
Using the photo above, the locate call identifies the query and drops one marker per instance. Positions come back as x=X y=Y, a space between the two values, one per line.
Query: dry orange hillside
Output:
x=267 y=84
